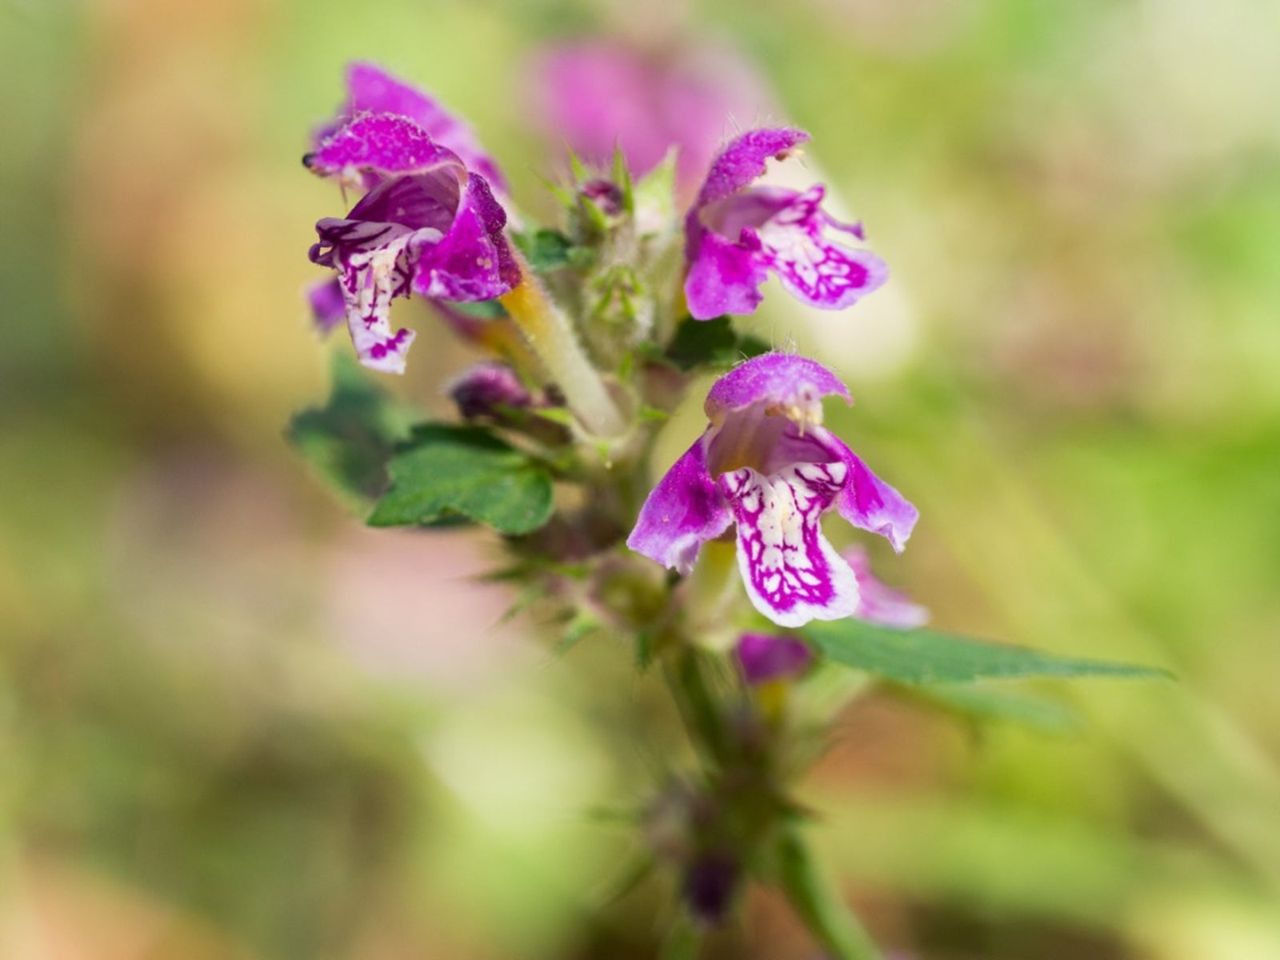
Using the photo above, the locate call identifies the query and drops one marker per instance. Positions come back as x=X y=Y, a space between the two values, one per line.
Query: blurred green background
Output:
x=235 y=724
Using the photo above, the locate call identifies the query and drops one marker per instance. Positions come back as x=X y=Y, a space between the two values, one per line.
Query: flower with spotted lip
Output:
x=766 y=464
x=737 y=233
x=429 y=226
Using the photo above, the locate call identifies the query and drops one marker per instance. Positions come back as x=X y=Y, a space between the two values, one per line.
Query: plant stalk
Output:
x=552 y=337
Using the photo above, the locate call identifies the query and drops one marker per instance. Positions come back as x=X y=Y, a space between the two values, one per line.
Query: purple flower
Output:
x=879 y=603
x=764 y=658
x=595 y=95
x=370 y=89
x=484 y=388
x=766 y=464
x=737 y=233
x=434 y=230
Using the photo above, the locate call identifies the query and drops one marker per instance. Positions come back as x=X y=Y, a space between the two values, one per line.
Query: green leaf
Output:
x=711 y=343
x=923 y=656
x=452 y=471
x=816 y=898
x=985 y=703
x=350 y=439
x=545 y=249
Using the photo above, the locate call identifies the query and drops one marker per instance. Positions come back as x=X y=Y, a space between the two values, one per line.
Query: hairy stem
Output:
x=553 y=339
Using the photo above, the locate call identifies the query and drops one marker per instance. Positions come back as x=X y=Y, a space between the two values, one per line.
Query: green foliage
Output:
x=446 y=472
x=351 y=437
x=924 y=656
x=711 y=343
x=984 y=703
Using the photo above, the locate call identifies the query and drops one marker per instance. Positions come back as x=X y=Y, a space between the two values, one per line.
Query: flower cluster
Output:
x=593 y=330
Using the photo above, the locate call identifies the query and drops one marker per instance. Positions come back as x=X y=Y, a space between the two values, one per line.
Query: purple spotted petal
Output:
x=683 y=512
x=376 y=249
x=371 y=89
x=473 y=261
x=764 y=658
x=486 y=387
x=792 y=574
x=377 y=145
x=782 y=380
x=743 y=160
x=795 y=244
x=870 y=504
x=880 y=603
x=328 y=308
x=374 y=264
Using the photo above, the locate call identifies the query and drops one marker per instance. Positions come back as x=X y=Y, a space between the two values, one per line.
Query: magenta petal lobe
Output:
x=382 y=144
x=684 y=511
x=870 y=504
x=778 y=379
x=373 y=90
x=878 y=602
x=328 y=308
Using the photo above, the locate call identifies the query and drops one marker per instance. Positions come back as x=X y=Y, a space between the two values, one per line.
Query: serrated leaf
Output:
x=700 y=343
x=450 y=471
x=350 y=439
x=545 y=249
x=711 y=343
x=983 y=702
x=925 y=656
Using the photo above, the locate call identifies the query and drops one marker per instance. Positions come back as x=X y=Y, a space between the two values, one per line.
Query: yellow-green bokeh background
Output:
x=235 y=724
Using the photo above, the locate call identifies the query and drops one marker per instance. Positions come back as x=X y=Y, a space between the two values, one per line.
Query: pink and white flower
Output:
x=736 y=234
x=766 y=465
x=428 y=225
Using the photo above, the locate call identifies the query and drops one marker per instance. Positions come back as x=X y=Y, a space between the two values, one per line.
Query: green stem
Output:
x=683 y=940
x=696 y=705
x=553 y=339
x=815 y=898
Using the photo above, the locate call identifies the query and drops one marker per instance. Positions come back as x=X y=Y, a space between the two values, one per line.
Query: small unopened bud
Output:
x=604 y=194
x=709 y=885
x=486 y=388
x=765 y=658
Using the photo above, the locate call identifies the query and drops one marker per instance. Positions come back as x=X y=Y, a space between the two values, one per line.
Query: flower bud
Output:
x=486 y=388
